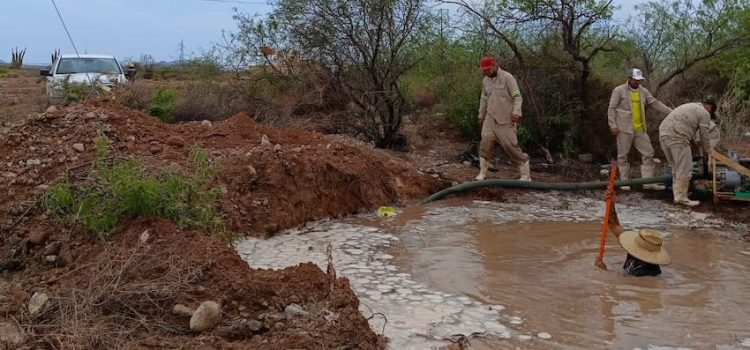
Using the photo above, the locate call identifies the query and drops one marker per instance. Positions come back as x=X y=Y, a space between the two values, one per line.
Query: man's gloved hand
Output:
x=515 y=118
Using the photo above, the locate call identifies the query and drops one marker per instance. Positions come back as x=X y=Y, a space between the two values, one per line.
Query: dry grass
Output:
x=123 y=292
x=733 y=115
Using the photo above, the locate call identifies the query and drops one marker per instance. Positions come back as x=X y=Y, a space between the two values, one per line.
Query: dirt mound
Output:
x=292 y=178
x=270 y=180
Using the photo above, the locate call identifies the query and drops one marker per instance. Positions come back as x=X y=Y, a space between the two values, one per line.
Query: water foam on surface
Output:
x=417 y=317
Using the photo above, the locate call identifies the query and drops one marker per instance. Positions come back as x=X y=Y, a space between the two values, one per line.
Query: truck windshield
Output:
x=88 y=65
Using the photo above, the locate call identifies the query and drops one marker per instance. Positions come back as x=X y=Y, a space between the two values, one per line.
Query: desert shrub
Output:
x=463 y=109
x=6 y=73
x=163 y=104
x=208 y=100
x=124 y=188
x=136 y=95
x=202 y=68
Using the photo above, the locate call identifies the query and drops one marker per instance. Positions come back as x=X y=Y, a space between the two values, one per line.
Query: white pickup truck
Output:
x=100 y=71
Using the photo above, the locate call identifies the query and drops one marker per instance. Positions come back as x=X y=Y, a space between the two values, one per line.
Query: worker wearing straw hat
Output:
x=645 y=251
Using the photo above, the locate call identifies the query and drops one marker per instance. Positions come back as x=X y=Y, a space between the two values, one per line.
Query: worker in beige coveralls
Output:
x=675 y=135
x=627 y=122
x=499 y=115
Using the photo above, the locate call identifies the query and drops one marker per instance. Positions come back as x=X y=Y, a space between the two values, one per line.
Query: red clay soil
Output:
x=299 y=176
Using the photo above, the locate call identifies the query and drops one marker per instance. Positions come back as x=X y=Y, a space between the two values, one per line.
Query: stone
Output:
x=50 y=259
x=33 y=162
x=254 y=326
x=10 y=334
x=264 y=141
x=130 y=138
x=182 y=310
x=176 y=141
x=277 y=147
x=294 y=309
x=252 y=172
x=206 y=123
x=206 y=317
x=38 y=237
x=144 y=236
x=52 y=248
x=155 y=150
x=52 y=109
x=37 y=303
x=544 y=335
x=79 y=147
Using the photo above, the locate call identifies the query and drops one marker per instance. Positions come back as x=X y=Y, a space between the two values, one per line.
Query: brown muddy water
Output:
x=520 y=275
x=543 y=272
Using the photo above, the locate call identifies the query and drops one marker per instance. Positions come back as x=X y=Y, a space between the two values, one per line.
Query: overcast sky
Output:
x=128 y=28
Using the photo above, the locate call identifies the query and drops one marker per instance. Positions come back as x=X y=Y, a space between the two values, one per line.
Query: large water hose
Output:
x=548 y=186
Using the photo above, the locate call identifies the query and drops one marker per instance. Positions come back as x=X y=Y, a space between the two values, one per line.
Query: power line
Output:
x=88 y=77
x=238 y=2
x=66 y=28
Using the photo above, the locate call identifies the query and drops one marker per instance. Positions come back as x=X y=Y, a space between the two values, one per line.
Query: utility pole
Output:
x=182 y=52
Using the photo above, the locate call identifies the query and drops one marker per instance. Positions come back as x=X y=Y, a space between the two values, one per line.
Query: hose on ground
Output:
x=546 y=186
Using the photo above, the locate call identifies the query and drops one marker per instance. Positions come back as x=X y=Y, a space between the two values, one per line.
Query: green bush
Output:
x=163 y=104
x=463 y=109
x=125 y=188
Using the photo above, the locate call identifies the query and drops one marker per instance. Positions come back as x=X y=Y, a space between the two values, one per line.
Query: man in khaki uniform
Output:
x=499 y=115
x=627 y=121
x=675 y=134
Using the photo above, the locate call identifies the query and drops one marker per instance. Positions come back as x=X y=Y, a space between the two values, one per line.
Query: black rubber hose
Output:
x=549 y=186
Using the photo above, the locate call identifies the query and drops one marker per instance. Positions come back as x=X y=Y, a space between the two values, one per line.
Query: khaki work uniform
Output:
x=676 y=132
x=632 y=132
x=500 y=98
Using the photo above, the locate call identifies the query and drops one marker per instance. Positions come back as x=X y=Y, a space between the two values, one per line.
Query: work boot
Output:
x=482 y=169
x=624 y=175
x=680 y=190
x=525 y=171
x=648 y=171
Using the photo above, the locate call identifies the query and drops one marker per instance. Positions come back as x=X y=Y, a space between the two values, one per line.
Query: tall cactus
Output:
x=16 y=60
x=54 y=56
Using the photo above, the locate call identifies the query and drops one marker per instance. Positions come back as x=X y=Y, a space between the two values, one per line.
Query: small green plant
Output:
x=16 y=60
x=163 y=104
x=67 y=91
x=124 y=188
x=5 y=73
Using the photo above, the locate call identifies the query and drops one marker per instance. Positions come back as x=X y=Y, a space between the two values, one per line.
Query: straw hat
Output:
x=646 y=245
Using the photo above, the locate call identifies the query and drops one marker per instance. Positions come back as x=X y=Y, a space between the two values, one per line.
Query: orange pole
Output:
x=610 y=197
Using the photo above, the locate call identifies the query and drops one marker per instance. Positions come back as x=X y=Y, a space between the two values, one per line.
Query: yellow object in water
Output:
x=384 y=212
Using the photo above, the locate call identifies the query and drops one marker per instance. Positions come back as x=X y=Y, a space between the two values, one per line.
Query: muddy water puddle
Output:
x=521 y=276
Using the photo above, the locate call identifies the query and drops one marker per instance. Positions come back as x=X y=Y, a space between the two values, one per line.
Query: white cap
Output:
x=636 y=74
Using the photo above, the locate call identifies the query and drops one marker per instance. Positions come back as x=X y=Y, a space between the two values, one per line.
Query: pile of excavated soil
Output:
x=128 y=284
x=295 y=177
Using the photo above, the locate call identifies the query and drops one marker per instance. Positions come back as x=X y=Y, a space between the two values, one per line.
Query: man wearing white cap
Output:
x=627 y=122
